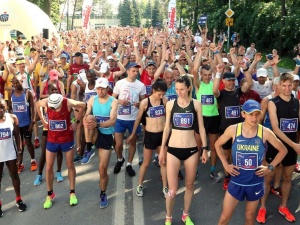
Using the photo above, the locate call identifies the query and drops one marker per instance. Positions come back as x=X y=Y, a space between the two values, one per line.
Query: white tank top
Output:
x=7 y=148
x=89 y=93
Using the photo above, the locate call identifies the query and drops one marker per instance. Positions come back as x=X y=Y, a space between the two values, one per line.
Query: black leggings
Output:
x=183 y=153
x=13 y=172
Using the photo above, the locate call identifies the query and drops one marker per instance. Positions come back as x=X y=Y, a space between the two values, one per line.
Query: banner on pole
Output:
x=172 y=15
x=86 y=13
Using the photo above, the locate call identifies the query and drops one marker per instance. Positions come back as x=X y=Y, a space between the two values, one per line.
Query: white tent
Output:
x=25 y=17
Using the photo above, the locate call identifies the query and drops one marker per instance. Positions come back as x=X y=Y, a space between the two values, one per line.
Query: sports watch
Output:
x=270 y=167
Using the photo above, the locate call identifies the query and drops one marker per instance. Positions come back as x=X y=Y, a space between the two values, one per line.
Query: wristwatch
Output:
x=205 y=148
x=270 y=167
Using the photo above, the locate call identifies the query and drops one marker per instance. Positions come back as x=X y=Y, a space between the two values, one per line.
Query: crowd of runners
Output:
x=192 y=101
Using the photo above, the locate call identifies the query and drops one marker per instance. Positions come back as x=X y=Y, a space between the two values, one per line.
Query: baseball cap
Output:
x=110 y=58
x=251 y=106
x=229 y=76
x=150 y=63
x=104 y=68
x=53 y=74
x=296 y=77
x=262 y=72
x=63 y=56
x=82 y=47
x=225 y=60
x=82 y=76
x=101 y=82
x=132 y=65
x=54 y=100
x=49 y=49
x=21 y=61
x=11 y=61
x=78 y=54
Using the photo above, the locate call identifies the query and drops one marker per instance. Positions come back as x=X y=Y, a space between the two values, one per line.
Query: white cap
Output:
x=82 y=76
x=296 y=77
x=104 y=68
x=225 y=60
x=11 y=61
x=110 y=57
x=101 y=82
x=54 y=100
x=262 y=72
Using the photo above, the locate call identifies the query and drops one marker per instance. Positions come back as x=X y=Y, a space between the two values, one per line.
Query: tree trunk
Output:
x=73 y=15
x=180 y=14
x=196 y=13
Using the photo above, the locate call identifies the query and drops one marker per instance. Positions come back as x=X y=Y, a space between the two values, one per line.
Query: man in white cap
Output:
x=60 y=137
x=104 y=114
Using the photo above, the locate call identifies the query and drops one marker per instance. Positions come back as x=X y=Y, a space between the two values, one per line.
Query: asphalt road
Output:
x=125 y=208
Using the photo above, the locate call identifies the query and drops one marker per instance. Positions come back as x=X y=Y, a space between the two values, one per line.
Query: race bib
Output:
x=89 y=95
x=101 y=119
x=46 y=117
x=57 y=125
x=111 y=84
x=207 y=99
x=183 y=120
x=124 y=110
x=232 y=112
x=289 y=125
x=157 y=111
x=247 y=161
x=148 y=89
x=19 y=107
x=171 y=97
x=5 y=133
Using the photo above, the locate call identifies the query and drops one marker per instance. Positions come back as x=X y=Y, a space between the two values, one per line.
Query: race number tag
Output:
x=183 y=120
x=19 y=107
x=171 y=97
x=232 y=112
x=89 y=95
x=5 y=133
x=57 y=125
x=124 y=110
x=157 y=111
x=148 y=89
x=247 y=161
x=289 y=125
x=111 y=84
x=207 y=99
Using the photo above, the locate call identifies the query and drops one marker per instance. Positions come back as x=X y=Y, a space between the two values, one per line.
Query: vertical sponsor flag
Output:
x=86 y=12
x=172 y=14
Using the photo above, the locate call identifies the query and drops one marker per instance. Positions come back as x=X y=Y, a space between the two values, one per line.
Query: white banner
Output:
x=172 y=14
x=86 y=12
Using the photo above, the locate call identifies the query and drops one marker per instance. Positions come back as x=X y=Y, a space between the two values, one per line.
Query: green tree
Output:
x=136 y=14
x=125 y=13
x=157 y=17
x=147 y=14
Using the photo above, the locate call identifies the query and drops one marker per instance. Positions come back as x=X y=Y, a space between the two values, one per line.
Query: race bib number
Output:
x=207 y=99
x=171 y=97
x=5 y=133
x=124 y=110
x=183 y=120
x=57 y=125
x=148 y=89
x=19 y=107
x=157 y=111
x=232 y=112
x=289 y=125
x=111 y=84
x=101 y=119
x=89 y=95
x=247 y=161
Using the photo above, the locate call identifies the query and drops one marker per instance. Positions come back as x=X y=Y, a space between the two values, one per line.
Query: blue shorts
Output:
x=252 y=193
x=122 y=125
x=55 y=147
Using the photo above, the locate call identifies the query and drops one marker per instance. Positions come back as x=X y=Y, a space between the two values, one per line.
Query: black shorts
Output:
x=45 y=133
x=290 y=158
x=228 y=144
x=212 y=124
x=104 y=141
x=24 y=132
x=152 y=140
x=183 y=153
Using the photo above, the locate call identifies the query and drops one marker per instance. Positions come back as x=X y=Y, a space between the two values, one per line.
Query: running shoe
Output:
x=156 y=161
x=1 y=213
x=103 y=201
x=187 y=220
x=214 y=175
x=36 y=143
x=261 y=215
x=22 y=207
x=49 y=201
x=77 y=158
x=287 y=214
x=139 y=190
x=118 y=166
x=38 y=180
x=130 y=171
x=165 y=191
x=21 y=168
x=88 y=155
x=168 y=221
x=297 y=168
x=225 y=183
x=276 y=191
x=73 y=199
x=33 y=166
x=59 y=177
x=180 y=175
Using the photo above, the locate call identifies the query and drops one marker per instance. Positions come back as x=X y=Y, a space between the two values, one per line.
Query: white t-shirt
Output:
x=130 y=91
x=262 y=90
x=250 y=53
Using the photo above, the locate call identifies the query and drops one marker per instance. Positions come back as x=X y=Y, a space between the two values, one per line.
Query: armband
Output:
x=216 y=52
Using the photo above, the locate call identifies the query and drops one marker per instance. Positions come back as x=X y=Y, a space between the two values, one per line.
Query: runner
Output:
x=9 y=131
x=104 y=110
x=60 y=137
x=183 y=115
x=248 y=151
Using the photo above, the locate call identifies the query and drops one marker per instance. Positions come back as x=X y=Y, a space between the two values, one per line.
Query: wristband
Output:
x=165 y=61
x=216 y=52
x=176 y=61
x=273 y=64
x=135 y=44
x=98 y=125
x=218 y=75
x=205 y=148
x=246 y=69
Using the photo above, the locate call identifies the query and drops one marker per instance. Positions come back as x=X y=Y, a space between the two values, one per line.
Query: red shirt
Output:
x=59 y=124
x=249 y=95
x=75 y=68
x=147 y=81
